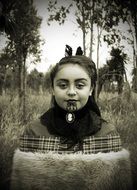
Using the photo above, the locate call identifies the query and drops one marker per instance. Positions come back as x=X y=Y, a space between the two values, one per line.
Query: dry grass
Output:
x=11 y=127
x=121 y=111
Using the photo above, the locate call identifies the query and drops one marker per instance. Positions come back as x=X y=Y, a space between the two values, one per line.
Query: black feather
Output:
x=68 y=51
x=79 y=51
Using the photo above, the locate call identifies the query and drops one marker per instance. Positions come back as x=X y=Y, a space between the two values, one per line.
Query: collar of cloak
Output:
x=86 y=123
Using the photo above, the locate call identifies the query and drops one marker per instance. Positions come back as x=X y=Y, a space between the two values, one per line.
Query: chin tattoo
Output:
x=71 y=107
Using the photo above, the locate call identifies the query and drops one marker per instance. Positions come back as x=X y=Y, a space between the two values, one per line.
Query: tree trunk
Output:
x=91 y=29
x=20 y=78
x=84 y=42
x=83 y=31
x=19 y=59
x=136 y=45
x=134 y=18
x=24 y=91
x=98 y=45
x=120 y=86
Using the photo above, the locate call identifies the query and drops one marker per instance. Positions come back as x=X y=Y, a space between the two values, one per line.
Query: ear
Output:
x=91 y=90
x=90 y=93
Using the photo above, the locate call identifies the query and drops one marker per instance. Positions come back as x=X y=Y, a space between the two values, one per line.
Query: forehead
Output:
x=71 y=71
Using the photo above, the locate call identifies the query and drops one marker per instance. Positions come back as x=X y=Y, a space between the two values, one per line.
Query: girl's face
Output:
x=71 y=84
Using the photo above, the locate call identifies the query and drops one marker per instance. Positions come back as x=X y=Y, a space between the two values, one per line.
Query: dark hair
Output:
x=89 y=66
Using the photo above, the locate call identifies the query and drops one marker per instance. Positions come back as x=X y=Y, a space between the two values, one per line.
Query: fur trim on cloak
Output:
x=101 y=171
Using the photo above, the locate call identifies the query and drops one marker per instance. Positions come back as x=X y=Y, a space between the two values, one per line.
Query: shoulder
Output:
x=39 y=127
x=107 y=129
x=36 y=128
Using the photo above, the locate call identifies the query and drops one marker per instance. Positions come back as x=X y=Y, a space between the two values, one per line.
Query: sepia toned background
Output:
x=33 y=35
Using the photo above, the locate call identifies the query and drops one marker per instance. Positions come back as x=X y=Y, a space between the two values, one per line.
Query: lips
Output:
x=71 y=105
x=71 y=100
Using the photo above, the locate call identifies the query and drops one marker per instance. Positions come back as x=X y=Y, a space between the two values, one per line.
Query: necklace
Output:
x=70 y=117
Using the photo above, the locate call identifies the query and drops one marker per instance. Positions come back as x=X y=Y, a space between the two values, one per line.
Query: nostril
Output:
x=71 y=92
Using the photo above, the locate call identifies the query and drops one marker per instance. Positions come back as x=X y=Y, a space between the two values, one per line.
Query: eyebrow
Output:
x=77 y=80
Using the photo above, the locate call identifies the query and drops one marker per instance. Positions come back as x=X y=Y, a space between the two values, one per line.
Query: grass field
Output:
x=119 y=110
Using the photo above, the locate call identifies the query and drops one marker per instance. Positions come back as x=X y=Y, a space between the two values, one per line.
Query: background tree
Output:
x=128 y=13
x=7 y=64
x=114 y=70
x=82 y=14
x=117 y=67
x=25 y=40
x=134 y=80
x=82 y=18
x=6 y=18
x=103 y=77
x=35 y=81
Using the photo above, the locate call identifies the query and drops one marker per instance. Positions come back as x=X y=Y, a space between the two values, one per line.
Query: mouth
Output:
x=71 y=100
x=71 y=105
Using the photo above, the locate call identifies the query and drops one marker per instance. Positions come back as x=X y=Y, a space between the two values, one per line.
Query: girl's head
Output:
x=73 y=80
x=87 y=64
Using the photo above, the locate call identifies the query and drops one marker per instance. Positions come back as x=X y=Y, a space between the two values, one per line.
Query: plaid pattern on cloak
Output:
x=90 y=145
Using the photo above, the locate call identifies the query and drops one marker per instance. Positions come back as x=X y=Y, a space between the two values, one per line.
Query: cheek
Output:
x=58 y=93
x=86 y=93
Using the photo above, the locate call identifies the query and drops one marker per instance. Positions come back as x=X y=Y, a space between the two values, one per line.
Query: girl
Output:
x=71 y=146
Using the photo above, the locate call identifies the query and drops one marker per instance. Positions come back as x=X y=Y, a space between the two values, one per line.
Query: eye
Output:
x=62 y=85
x=80 y=85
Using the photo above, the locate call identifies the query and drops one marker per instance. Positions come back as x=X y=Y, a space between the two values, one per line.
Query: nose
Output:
x=71 y=91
